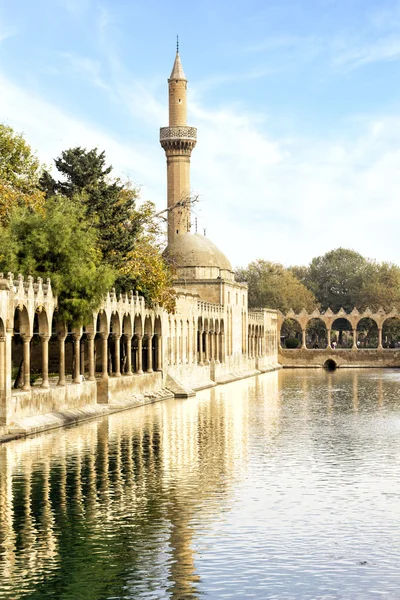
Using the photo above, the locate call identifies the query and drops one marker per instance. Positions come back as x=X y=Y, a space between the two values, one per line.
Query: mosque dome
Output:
x=196 y=251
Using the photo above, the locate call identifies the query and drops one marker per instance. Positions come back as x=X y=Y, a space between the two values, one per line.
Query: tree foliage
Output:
x=344 y=278
x=108 y=202
x=273 y=286
x=128 y=233
x=336 y=278
x=20 y=171
x=58 y=243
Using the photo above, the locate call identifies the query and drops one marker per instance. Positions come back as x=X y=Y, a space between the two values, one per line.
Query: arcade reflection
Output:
x=106 y=508
x=115 y=508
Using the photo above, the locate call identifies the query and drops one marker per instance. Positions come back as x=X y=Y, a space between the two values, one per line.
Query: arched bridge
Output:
x=354 y=339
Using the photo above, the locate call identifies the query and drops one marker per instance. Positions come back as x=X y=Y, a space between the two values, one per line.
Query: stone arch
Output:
x=367 y=333
x=126 y=345
x=137 y=344
x=158 y=344
x=20 y=348
x=22 y=324
x=290 y=330
x=101 y=344
x=330 y=364
x=3 y=373
x=157 y=325
x=187 y=342
x=316 y=334
x=44 y=326
x=206 y=346
x=114 y=345
x=199 y=340
x=391 y=332
x=169 y=342
x=175 y=342
x=342 y=332
x=115 y=324
x=102 y=322
x=147 y=347
x=127 y=329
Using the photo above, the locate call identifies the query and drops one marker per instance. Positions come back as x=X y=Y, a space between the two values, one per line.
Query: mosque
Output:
x=130 y=354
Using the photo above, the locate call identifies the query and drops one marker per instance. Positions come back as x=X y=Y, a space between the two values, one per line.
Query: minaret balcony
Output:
x=181 y=134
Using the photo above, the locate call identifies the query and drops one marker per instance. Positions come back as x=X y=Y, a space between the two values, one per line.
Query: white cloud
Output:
x=50 y=130
x=356 y=55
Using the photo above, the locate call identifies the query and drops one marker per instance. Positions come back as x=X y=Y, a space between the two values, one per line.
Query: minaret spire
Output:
x=178 y=141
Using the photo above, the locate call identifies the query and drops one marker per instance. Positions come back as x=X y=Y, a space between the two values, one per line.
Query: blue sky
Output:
x=297 y=105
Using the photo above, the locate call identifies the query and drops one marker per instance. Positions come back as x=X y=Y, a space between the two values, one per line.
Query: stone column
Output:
x=328 y=331
x=303 y=343
x=140 y=354
x=117 y=355
x=217 y=349
x=77 y=354
x=61 y=363
x=45 y=360
x=27 y=361
x=201 y=362
x=354 y=347
x=92 y=366
x=104 y=355
x=149 y=354
x=380 y=345
x=211 y=334
x=128 y=370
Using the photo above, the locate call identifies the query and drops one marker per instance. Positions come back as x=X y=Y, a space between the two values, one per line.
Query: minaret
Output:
x=178 y=141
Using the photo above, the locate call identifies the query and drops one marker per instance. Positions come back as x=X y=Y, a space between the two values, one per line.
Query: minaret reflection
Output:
x=355 y=390
x=380 y=392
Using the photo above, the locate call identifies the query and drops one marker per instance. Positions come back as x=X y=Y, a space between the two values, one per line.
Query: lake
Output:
x=285 y=486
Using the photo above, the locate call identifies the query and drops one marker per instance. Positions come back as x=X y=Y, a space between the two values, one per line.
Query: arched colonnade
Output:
x=328 y=318
x=124 y=337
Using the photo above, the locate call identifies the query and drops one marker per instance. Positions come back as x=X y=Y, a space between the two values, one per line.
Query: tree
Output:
x=58 y=243
x=336 y=278
x=344 y=278
x=381 y=287
x=108 y=202
x=128 y=234
x=273 y=286
x=20 y=171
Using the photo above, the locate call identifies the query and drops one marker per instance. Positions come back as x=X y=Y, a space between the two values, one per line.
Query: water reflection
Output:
x=274 y=487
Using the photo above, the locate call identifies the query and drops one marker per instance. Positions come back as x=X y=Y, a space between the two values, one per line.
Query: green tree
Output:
x=128 y=234
x=273 y=286
x=344 y=278
x=336 y=279
x=58 y=243
x=108 y=202
x=20 y=171
x=381 y=287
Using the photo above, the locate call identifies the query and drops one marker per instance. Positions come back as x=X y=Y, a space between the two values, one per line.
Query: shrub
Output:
x=292 y=342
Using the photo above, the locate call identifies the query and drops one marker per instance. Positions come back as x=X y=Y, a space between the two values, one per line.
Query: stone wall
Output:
x=385 y=358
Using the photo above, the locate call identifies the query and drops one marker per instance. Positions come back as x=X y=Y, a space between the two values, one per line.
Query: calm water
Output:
x=282 y=486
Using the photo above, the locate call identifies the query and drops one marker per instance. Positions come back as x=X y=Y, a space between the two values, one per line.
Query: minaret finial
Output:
x=177 y=44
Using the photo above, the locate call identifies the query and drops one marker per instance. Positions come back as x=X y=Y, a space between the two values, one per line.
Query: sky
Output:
x=296 y=102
